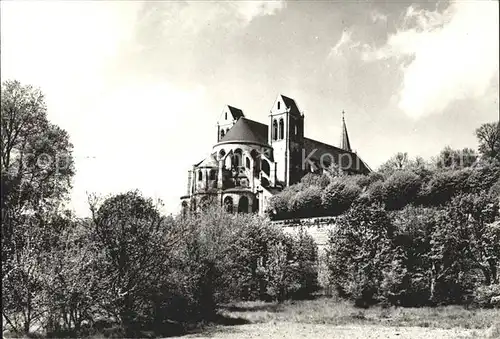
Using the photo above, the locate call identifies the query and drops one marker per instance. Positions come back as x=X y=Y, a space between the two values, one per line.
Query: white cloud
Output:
x=250 y=10
x=452 y=55
x=376 y=16
x=196 y=16
x=345 y=43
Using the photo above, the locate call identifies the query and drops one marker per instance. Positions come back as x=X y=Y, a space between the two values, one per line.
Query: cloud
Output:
x=249 y=10
x=376 y=16
x=193 y=17
x=344 y=44
x=445 y=56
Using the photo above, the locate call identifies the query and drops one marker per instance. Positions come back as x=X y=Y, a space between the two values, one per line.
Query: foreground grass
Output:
x=330 y=311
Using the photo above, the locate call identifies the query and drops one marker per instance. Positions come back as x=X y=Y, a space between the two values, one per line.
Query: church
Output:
x=251 y=161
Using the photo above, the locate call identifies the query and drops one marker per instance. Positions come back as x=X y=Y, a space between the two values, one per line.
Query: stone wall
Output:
x=318 y=229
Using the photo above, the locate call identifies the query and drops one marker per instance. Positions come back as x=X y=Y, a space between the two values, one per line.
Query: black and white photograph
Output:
x=272 y=169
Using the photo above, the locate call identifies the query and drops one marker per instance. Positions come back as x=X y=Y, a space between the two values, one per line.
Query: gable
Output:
x=284 y=103
x=229 y=115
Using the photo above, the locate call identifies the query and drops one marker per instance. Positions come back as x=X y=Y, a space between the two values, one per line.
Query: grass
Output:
x=331 y=311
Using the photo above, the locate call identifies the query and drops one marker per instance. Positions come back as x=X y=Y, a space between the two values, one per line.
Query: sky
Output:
x=139 y=86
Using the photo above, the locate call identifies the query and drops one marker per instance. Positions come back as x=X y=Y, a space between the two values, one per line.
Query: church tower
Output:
x=286 y=136
x=344 y=139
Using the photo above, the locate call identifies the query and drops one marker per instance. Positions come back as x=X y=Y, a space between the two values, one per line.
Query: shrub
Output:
x=359 y=249
x=375 y=193
x=483 y=177
x=306 y=203
x=443 y=186
x=339 y=196
x=487 y=296
x=401 y=189
x=367 y=180
x=314 y=179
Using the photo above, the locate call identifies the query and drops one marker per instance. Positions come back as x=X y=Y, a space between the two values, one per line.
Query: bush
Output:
x=401 y=188
x=487 y=296
x=250 y=259
x=359 y=250
x=339 y=196
x=375 y=193
x=315 y=179
x=306 y=203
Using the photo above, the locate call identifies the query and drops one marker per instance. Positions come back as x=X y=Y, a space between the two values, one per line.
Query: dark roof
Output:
x=247 y=130
x=290 y=103
x=345 y=144
x=347 y=160
x=235 y=112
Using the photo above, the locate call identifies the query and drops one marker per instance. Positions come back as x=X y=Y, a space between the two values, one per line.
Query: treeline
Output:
x=399 y=183
x=130 y=272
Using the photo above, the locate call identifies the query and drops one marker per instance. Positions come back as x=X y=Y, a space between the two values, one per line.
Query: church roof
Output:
x=235 y=112
x=209 y=161
x=347 y=160
x=248 y=131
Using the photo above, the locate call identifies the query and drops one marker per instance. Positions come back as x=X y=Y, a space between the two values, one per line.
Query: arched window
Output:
x=228 y=204
x=211 y=175
x=243 y=205
x=200 y=176
x=296 y=130
x=265 y=167
x=222 y=133
x=254 y=154
x=222 y=153
x=247 y=162
x=275 y=130
x=278 y=105
x=237 y=158
x=282 y=129
x=225 y=116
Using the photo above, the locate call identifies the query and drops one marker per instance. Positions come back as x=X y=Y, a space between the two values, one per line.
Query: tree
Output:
x=359 y=249
x=451 y=158
x=132 y=236
x=36 y=172
x=401 y=161
x=488 y=136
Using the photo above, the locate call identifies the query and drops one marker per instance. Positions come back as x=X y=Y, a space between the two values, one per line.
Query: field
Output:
x=330 y=318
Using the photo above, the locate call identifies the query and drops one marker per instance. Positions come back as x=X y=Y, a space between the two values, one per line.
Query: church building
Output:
x=251 y=161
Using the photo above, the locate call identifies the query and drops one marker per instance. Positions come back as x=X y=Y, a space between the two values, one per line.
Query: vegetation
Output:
x=412 y=235
x=400 y=182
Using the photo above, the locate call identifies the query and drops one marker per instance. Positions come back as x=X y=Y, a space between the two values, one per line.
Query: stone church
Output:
x=251 y=161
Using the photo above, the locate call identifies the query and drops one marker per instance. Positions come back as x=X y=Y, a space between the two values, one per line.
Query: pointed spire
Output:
x=344 y=142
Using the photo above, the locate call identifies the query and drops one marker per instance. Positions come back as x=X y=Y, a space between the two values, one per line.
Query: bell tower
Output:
x=286 y=135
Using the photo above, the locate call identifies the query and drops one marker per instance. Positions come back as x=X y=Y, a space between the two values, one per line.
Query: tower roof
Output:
x=235 y=112
x=247 y=130
x=290 y=104
x=344 y=142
